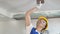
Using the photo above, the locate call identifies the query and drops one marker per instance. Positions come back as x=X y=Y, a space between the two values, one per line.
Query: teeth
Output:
x=38 y=6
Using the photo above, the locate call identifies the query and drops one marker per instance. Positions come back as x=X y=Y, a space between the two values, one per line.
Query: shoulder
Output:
x=30 y=26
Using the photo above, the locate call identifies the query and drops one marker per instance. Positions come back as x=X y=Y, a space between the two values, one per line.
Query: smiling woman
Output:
x=41 y=26
x=16 y=9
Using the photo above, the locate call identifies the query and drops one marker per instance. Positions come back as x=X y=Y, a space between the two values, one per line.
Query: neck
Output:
x=39 y=29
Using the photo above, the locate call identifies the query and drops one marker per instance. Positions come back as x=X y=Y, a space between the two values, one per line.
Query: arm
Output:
x=27 y=15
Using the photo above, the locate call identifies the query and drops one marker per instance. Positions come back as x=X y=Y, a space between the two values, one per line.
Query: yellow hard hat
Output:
x=44 y=18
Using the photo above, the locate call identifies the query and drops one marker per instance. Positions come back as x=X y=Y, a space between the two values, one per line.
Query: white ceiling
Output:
x=12 y=7
x=24 y=5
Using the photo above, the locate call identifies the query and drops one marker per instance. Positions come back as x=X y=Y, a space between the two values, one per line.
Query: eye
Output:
x=43 y=22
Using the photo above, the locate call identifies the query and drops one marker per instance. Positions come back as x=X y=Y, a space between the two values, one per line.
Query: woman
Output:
x=41 y=26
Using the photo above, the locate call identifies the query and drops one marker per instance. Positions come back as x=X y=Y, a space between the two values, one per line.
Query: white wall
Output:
x=54 y=26
x=11 y=26
x=5 y=12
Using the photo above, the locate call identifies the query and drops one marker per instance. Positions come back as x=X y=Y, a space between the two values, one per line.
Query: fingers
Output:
x=39 y=6
x=33 y=9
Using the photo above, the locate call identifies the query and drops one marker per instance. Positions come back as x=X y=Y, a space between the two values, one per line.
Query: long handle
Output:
x=40 y=1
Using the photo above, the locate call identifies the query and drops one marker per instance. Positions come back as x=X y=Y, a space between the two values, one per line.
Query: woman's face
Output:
x=41 y=23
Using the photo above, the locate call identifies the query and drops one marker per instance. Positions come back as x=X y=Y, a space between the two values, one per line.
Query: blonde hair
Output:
x=44 y=18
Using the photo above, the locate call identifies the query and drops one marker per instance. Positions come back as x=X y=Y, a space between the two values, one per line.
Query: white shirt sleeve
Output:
x=29 y=28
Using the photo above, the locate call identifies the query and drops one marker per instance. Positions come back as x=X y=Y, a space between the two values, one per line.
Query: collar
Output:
x=37 y=31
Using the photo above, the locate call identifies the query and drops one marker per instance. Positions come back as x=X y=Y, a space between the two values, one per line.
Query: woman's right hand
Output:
x=27 y=15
